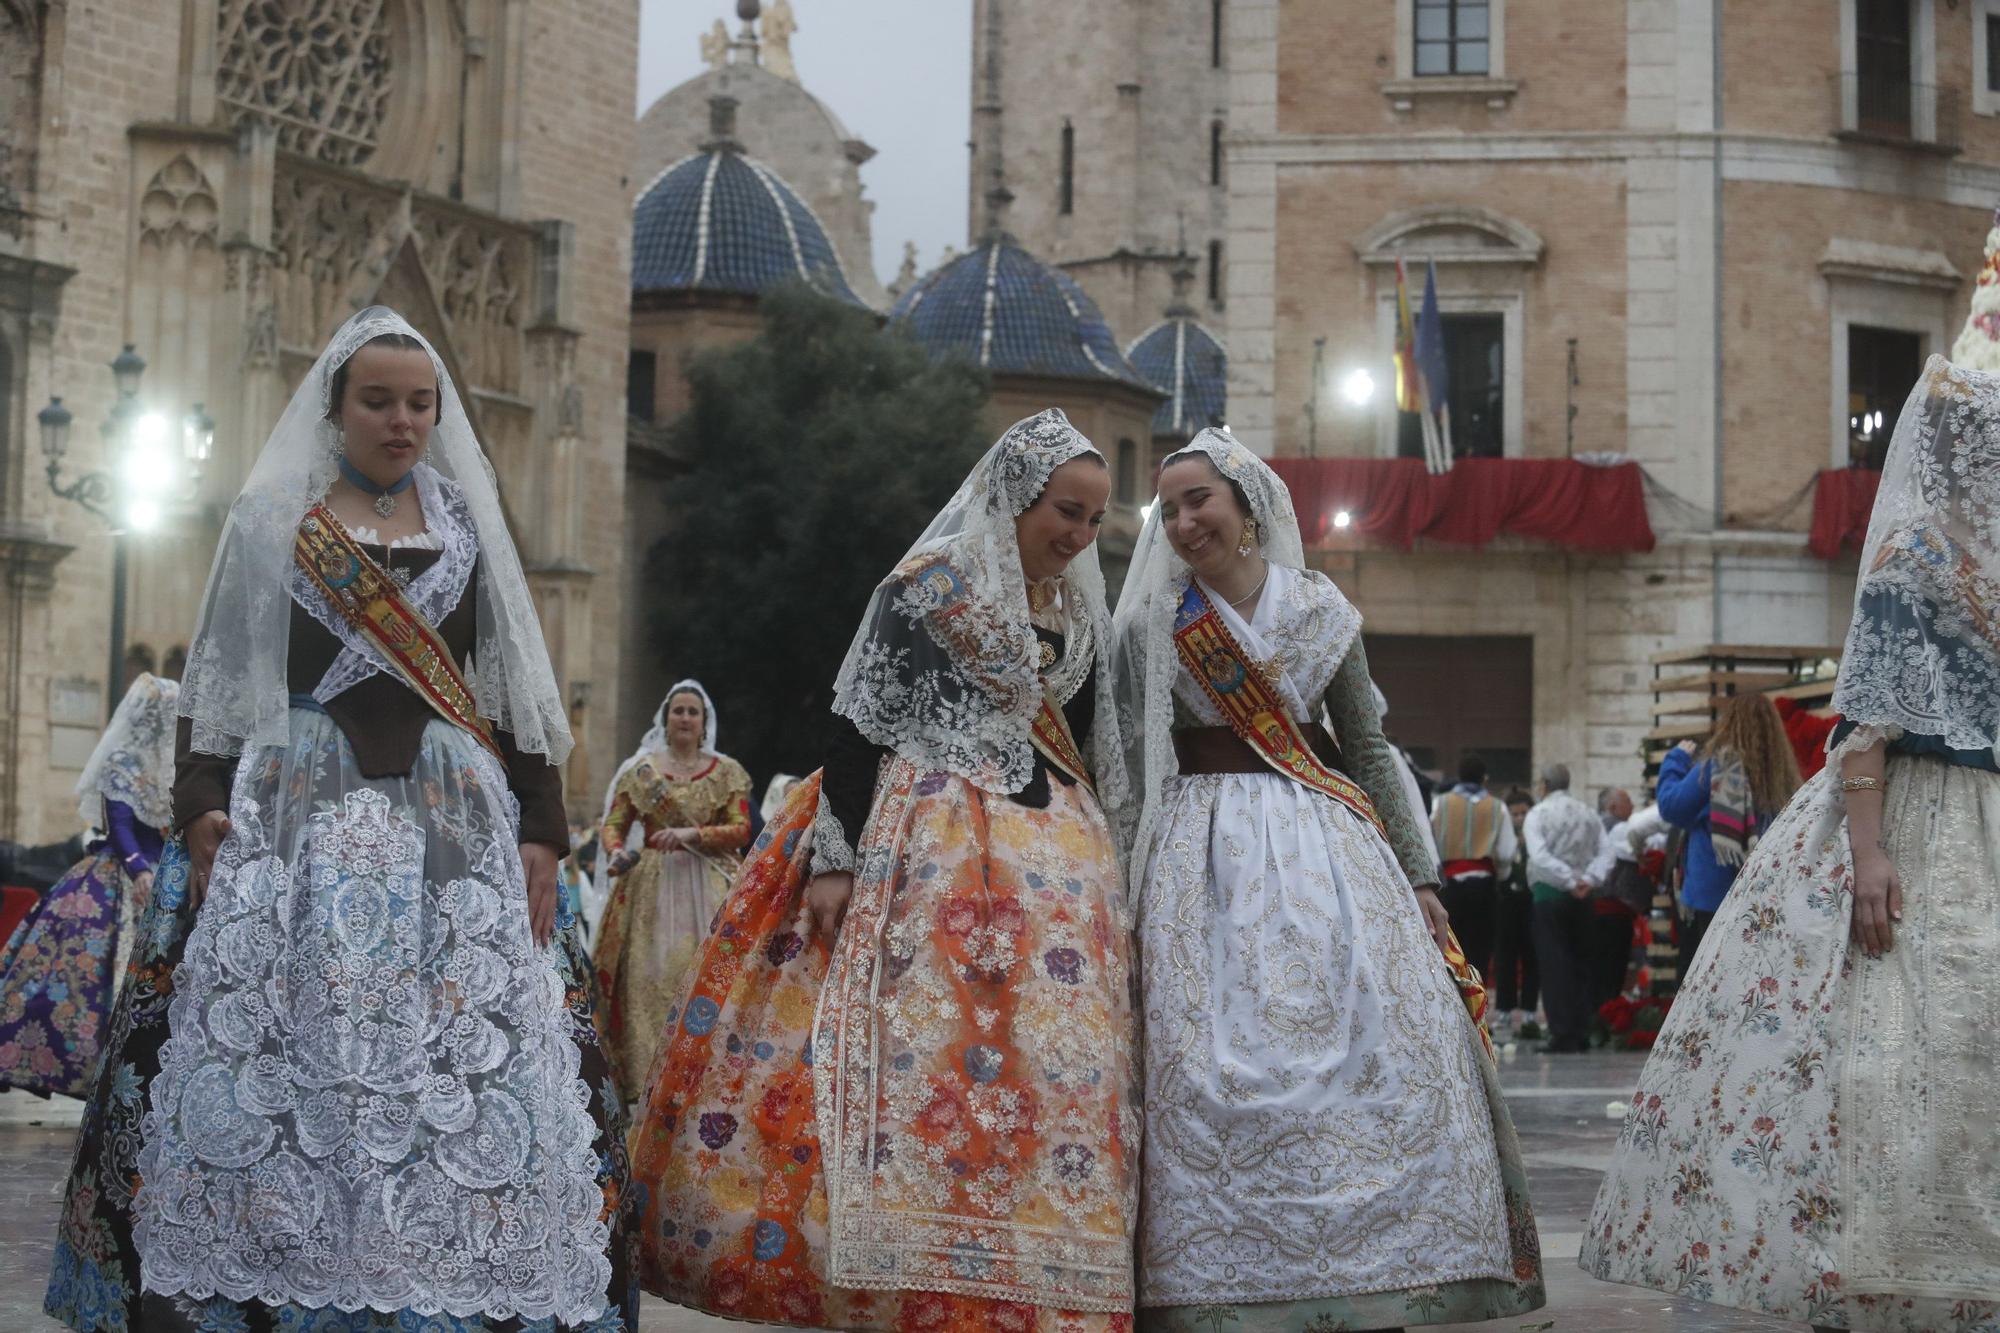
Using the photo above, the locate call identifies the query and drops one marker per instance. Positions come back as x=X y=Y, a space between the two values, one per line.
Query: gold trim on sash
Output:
x=1057 y=744
x=374 y=605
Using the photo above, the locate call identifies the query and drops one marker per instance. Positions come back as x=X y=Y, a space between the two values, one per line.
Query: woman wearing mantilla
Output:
x=351 y=1085
x=1326 y=1144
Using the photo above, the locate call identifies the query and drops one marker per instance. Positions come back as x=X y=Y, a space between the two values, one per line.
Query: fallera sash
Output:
x=1258 y=716
x=374 y=605
x=1055 y=742
x=1251 y=706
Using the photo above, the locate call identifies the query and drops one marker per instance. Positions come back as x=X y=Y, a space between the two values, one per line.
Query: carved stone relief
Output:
x=321 y=71
x=327 y=236
x=481 y=275
x=178 y=208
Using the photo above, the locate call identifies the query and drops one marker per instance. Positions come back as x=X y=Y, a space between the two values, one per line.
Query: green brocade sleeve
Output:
x=1350 y=702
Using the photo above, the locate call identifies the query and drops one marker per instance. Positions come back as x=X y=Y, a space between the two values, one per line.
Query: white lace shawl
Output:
x=234 y=691
x=944 y=669
x=1923 y=650
x=134 y=759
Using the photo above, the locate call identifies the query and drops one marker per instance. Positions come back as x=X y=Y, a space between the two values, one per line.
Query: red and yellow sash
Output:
x=373 y=603
x=1258 y=716
x=1053 y=738
x=1251 y=707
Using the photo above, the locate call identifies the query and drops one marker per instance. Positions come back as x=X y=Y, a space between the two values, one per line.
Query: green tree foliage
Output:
x=818 y=452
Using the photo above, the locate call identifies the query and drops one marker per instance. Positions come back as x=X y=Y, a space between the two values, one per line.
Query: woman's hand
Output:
x=1688 y=747
x=142 y=885
x=538 y=865
x=620 y=863
x=1436 y=920
x=204 y=834
x=826 y=900
x=1878 y=901
x=670 y=839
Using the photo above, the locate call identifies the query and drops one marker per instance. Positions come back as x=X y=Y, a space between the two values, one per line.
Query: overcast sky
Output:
x=896 y=72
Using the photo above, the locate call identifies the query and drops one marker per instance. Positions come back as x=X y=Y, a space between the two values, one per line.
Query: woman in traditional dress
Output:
x=676 y=820
x=1326 y=1144
x=60 y=972
x=349 y=1085
x=930 y=1126
x=1813 y=1137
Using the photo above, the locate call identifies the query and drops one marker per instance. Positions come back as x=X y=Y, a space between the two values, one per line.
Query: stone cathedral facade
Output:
x=220 y=183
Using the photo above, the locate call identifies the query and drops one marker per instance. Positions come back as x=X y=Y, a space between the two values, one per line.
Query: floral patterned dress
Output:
x=660 y=910
x=1813 y=1136
x=931 y=1126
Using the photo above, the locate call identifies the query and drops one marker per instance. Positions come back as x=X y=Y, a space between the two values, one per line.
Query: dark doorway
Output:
x=1882 y=368
x=1454 y=695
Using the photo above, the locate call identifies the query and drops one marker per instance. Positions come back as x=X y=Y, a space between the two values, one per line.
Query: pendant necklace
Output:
x=385 y=496
x=1238 y=602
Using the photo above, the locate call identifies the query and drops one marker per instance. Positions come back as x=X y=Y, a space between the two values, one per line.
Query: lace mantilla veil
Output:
x=971 y=712
x=134 y=759
x=1923 y=649
x=234 y=690
x=1143 y=635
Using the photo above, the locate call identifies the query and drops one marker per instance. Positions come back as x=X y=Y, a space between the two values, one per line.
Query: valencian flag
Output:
x=1407 y=393
x=1432 y=379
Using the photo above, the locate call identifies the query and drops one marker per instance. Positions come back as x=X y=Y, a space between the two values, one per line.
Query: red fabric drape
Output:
x=1807 y=733
x=1394 y=500
x=1842 y=501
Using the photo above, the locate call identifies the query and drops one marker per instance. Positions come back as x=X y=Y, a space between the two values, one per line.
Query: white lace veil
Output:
x=234 y=689
x=968 y=707
x=134 y=759
x=1923 y=649
x=1145 y=662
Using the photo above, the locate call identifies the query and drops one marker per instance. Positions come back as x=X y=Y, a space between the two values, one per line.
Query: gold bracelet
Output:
x=1861 y=784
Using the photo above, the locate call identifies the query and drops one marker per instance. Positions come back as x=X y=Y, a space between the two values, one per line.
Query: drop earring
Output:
x=1247 y=542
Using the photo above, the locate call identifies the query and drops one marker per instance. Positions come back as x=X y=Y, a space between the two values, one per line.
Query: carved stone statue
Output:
x=715 y=46
x=779 y=25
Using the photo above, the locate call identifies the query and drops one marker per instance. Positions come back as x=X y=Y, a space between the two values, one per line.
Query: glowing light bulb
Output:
x=1358 y=387
x=1342 y=519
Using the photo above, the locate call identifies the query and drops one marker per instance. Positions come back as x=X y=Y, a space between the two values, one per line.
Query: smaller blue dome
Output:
x=1188 y=363
x=721 y=222
x=1001 y=308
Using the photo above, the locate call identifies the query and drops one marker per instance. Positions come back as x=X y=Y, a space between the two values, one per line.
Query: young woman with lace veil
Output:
x=349 y=1086
x=1813 y=1137
x=676 y=819
x=60 y=970
x=1326 y=1144
x=902 y=1098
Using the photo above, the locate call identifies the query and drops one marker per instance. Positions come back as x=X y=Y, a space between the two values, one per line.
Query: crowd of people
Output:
x=1107 y=969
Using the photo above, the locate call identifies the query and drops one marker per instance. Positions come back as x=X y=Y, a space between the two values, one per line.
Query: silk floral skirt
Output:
x=59 y=977
x=1327 y=1146
x=1813 y=1137
x=929 y=1127
x=347 y=1094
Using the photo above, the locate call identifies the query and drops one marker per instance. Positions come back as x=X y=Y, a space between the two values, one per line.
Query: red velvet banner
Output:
x=1842 y=501
x=1394 y=500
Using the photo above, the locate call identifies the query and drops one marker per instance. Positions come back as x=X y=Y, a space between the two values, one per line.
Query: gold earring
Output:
x=1247 y=542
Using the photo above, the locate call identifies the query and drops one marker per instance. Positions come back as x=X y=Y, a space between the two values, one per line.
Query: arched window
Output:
x=1215 y=272
x=1215 y=34
x=1068 y=200
x=1215 y=152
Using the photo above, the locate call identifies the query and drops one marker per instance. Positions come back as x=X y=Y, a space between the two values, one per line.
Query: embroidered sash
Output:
x=1251 y=706
x=1054 y=740
x=1256 y=714
x=374 y=605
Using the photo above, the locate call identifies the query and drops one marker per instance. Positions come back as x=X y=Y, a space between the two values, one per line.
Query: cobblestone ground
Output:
x=1559 y=1105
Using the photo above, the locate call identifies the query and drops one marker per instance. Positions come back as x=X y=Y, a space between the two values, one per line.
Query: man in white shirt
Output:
x=1564 y=838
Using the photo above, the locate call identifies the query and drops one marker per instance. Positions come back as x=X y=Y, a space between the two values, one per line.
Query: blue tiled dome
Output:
x=721 y=222
x=1187 y=362
x=1000 y=307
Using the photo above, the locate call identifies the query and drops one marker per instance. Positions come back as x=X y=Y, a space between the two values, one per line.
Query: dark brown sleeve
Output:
x=201 y=781
x=537 y=785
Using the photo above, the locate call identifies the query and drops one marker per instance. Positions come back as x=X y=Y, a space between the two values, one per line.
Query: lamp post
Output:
x=130 y=495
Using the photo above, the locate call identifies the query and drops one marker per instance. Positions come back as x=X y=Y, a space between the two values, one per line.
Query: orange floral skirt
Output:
x=930 y=1127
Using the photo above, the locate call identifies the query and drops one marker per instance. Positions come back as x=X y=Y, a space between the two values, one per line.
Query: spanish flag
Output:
x=1409 y=397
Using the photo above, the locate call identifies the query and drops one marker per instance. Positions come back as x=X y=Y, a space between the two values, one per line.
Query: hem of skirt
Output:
x=1298 y=1295
x=1452 y=1301
x=991 y=1291
x=576 y=1318
x=1798 y=1311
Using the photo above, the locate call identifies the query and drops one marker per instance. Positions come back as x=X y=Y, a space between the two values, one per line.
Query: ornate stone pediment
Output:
x=1450 y=234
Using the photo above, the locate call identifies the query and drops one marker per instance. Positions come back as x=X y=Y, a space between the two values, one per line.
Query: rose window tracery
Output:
x=319 y=70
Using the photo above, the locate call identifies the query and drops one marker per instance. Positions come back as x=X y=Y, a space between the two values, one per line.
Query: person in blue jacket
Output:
x=1724 y=794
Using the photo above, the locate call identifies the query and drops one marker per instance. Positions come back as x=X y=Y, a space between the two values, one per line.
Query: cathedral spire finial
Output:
x=1182 y=306
x=998 y=200
x=745 y=45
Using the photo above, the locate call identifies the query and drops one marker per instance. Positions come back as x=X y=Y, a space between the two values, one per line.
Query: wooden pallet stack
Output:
x=1690 y=686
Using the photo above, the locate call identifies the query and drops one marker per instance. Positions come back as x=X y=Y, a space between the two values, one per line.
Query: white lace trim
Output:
x=134 y=759
x=832 y=849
